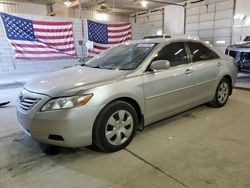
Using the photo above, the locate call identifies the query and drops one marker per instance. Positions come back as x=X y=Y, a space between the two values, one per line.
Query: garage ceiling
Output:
x=123 y=6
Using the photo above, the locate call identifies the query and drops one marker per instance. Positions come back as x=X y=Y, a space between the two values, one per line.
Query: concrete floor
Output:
x=204 y=147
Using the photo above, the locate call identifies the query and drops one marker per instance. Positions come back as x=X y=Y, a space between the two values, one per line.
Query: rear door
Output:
x=168 y=91
x=206 y=67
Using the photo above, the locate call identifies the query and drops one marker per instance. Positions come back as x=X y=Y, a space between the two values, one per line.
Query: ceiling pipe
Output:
x=146 y=12
x=87 y=5
x=165 y=3
x=6 y=3
x=198 y=1
x=80 y=9
x=192 y=1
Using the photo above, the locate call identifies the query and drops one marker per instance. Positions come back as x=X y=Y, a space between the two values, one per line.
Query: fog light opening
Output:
x=56 y=137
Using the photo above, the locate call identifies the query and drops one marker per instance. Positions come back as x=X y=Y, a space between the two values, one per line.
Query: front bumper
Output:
x=241 y=56
x=244 y=65
x=68 y=128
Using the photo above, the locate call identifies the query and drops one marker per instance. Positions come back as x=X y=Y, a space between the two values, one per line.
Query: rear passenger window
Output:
x=200 y=52
x=175 y=53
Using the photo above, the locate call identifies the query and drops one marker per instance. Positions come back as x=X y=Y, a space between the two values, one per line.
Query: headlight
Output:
x=66 y=102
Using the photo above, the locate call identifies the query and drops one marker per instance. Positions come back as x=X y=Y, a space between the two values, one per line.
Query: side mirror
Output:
x=160 y=65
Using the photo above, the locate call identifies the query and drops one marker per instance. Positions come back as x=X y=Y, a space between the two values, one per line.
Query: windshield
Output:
x=122 y=57
x=247 y=39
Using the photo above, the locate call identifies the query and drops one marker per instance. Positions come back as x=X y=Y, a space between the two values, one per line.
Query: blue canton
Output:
x=97 y=32
x=18 y=28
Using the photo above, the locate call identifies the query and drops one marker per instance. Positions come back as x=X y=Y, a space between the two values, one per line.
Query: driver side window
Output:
x=175 y=53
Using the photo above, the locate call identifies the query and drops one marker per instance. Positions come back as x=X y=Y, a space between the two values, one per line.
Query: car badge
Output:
x=20 y=97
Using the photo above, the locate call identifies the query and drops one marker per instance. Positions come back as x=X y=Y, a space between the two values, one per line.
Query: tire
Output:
x=115 y=126
x=222 y=94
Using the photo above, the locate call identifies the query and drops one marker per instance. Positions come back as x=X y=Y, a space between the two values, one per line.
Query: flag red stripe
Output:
x=38 y=46
x=44 y=58
x=119 y=36
x=39 y=52
x=119 y=25
x=121 y=41
x=51 y=23
x=42 y=46
x=28 y=45
x=120 y=30
x=100 y=47
x=46 y=52
x=52 y=30
x=54 y=37
x=59 y=43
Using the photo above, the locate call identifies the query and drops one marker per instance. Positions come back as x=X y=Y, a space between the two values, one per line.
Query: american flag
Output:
x=105 y=36
x=39 y=40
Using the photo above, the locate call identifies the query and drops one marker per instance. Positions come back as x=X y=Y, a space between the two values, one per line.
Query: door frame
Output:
x=163 y=46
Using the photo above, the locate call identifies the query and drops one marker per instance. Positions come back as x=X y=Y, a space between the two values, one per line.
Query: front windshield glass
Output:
x=247 y=39
x=122 y=57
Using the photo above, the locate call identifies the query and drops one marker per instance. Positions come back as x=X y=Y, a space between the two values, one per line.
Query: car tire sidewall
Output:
x=99 y=138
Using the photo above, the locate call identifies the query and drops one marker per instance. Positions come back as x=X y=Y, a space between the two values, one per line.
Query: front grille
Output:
x=26 y=103
x=239 y=55
x=233 y=53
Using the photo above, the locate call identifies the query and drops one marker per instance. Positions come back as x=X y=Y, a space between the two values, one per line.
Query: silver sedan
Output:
x=124 y=89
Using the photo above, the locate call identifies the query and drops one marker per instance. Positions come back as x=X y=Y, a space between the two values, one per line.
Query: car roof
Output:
x=170 y=36
x=164 y=40
x=157 y=36
x=178 y=39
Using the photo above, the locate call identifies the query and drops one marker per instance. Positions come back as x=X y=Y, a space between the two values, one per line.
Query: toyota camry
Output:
x=122 y=90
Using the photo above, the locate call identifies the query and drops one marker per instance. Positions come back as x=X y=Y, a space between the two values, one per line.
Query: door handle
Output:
x=188 y=71
x=219 y=64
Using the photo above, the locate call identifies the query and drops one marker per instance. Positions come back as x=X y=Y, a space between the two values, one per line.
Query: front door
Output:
x=169 y=91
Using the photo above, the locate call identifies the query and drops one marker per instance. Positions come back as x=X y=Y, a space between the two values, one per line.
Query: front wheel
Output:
x=115 y=126
x=222 y=93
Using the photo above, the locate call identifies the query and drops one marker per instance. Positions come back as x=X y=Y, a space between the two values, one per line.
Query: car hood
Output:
x=244 y=44
x=69 y=81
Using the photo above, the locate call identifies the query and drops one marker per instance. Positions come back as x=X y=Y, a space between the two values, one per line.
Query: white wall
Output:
x=141 y=30
x=169 y=19
x=59 y=9
x=241 y=28
x=147 y=24
x=174 y=19
x=212 y=21
x=23 y=7
x=242 y=7
x=112 y=17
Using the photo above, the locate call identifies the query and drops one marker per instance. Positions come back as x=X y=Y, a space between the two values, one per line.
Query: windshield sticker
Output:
x=146 y=45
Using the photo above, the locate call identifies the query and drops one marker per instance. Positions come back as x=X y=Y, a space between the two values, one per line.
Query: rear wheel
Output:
x=222 y=93
x=115 y=126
